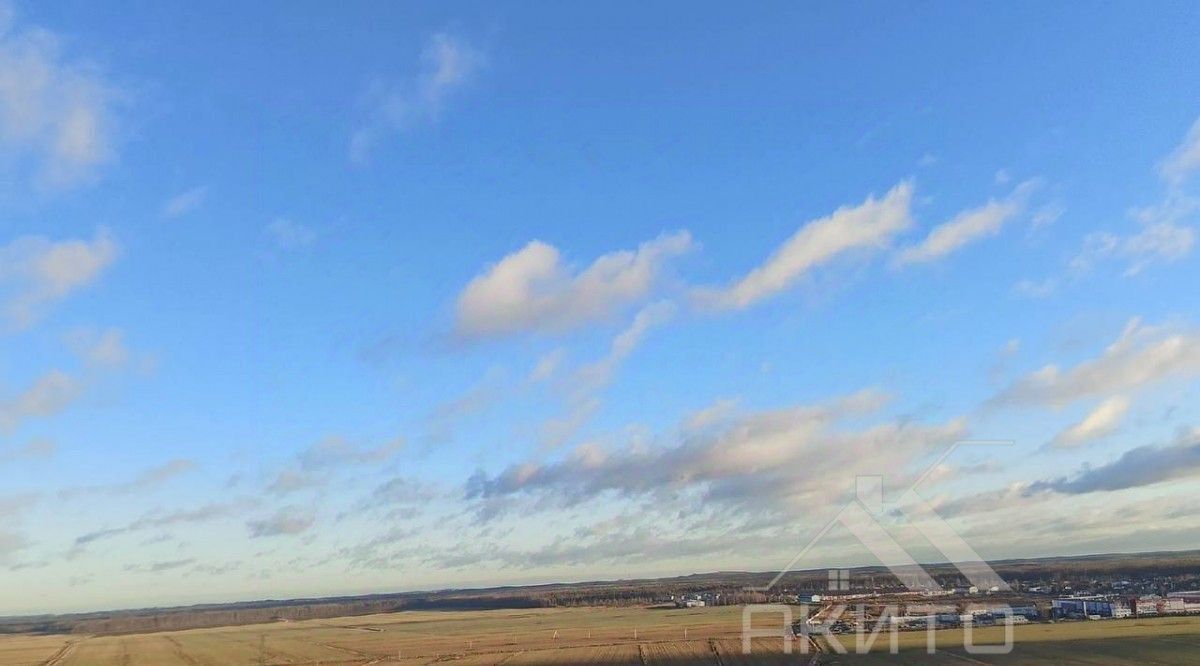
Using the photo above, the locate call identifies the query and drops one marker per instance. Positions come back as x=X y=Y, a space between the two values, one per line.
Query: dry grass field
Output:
x=1166 y=641
x=580 y=636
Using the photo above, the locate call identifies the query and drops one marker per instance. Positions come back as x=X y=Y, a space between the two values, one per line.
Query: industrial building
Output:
x=1152 y=604
x=1090 y=607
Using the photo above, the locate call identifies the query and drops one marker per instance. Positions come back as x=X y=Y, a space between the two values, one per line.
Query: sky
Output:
x=302 y=298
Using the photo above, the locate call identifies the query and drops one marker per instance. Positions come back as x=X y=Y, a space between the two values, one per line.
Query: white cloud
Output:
x=868 y=226
x=149 y=479
x=558 y=430
x=291 y=480
x=1100 y=422
x=1047 y=215
x=1004 y=358
x=10 y=544
x=34 y=449
x=532 y=290
x=717 y=413
x=1167 y=234
x=100 y=348
x=185 y=202
x=1175 y=208
x=158 y=475
x=289 y=235
x=482 y=396
x=595 y=375
x=286 y=521
x=159 y=518
x=321 y=462
x=447 y=64
x=1162 y=242
x=967 y=227
x=547 y=366
x=1159 y=242
x=1185 y=159
x=1011 y=347
x=47 y=396
x=1141 y=466
x=1036 y=288
x=1141 y=357
x=772 y=461
x=56 y=390
x=36 y=272
x=56 y=114
x=583 y=387
x=337 y=451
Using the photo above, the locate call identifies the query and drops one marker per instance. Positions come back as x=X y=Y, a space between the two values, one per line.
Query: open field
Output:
x=594 y=635
x=1145 y=641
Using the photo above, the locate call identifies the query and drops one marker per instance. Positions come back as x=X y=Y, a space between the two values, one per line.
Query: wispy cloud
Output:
x=968 y=227
x=716 y=414
x=293 y=480
x=400 y=491
x=771 y=461
x=557 y=430
x=1166 y=235
x=1158 y=242
x=38 y=448
x=1142 y=466
x=599 y=373
x=1141 y=357
x=337 y=451
x=1100 y=422
x=547 y=366
x=1185 y=159
x=869 y=226
x=160 y=566
x=533 y=290
x=581 y=388
x=158 y=518
x=54 y=391
x=36 y=272
x=11 y=543
x=285 y=522
x=100 y=348
x=316 y=465
x=148 y=479
x=481 y=396
x=1036 y=288
x=56 y=113
x=185 y=202
x=13 y=505
x=48 y=395
x=288 y=235
x=448 y=63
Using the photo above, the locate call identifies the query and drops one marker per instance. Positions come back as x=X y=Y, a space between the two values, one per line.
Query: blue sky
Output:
x=307 y=299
